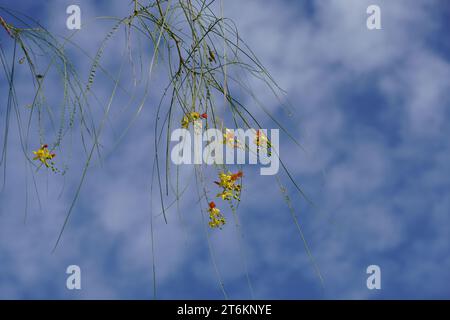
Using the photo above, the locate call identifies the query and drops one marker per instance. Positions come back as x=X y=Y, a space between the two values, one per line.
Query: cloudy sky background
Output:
x=370 y=109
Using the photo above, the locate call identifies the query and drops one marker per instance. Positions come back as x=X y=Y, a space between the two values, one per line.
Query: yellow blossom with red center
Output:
x=216 y=219
x=230 y=188
x=45 y=156
x=191 y=117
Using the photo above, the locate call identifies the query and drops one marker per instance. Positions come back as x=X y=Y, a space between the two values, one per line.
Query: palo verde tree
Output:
x=207 y=66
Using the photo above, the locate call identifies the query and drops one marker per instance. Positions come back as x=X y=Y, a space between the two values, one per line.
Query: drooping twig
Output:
x=6 y=27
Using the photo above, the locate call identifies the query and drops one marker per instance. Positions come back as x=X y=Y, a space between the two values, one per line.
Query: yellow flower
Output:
x=216 y=218
x=230 y=188
x=225 y=181
x=225 y=195
x=195 y=116
x=262 y=141
x=230 y=139
x=185 y=122
x=43 y=155
x=191 y=117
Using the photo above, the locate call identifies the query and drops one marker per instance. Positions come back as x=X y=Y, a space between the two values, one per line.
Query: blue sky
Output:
x=370 y=109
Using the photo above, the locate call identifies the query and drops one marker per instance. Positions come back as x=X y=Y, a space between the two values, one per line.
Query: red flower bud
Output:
x=237 y=175
x=212 y=205
x=204 y=116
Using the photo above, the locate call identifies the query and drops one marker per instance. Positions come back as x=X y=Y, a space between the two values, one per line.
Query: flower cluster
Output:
x=230 y=189
x=191 y=117
x=45 y=156
x=216 y=218
x=262 y=142
x=230 y=139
